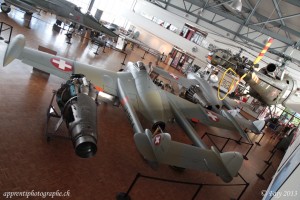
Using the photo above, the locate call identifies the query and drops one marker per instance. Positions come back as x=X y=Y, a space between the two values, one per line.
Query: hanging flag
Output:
x=265 y=49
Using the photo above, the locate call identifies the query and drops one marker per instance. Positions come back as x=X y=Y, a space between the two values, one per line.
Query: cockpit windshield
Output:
x=140 y=66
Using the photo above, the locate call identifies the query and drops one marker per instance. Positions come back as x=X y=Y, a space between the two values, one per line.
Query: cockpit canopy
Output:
x=140 y=65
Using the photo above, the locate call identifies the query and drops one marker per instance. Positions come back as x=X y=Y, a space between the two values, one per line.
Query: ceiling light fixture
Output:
x=236 y=5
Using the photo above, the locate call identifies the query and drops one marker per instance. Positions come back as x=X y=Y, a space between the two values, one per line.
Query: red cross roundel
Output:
x=157 y=140
x=61 y=64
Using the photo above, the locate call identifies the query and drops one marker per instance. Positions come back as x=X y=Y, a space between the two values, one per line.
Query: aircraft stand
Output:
x=51 y=112
x=10 y=28
x=227 y=140
x=125 y=195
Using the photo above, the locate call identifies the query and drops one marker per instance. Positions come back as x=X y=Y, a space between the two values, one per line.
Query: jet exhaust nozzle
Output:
x=271 y=67
x=76 y=100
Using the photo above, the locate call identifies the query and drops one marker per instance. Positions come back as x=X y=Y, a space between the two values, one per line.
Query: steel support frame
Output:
x=289 y=42
x=241 y=21
x=248 y=18
x=276 y=5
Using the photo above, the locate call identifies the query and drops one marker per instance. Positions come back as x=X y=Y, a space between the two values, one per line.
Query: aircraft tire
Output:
x=5 y=8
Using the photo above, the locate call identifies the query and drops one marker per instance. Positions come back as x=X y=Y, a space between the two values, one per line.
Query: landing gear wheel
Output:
x=5 y=8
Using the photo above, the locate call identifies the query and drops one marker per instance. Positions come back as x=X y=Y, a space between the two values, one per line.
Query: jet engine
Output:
x=77 y=102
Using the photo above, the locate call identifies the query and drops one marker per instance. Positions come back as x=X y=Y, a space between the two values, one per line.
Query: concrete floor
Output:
x=28 y=162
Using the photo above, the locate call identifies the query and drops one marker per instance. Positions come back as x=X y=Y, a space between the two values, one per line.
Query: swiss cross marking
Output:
x=212 y=116
x=61 y=64
x=157 y=140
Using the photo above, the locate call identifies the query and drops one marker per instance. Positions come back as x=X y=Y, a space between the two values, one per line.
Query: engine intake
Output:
x=77 y=102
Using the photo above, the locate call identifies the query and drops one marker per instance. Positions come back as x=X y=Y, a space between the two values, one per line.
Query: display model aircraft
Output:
x=137 y=93
x=199 y=91
x=62 y=9
x=263 y=85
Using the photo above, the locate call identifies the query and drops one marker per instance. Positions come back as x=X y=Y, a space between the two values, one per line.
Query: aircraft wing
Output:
x=172 y=77
x=102 y=79
x=197 y=113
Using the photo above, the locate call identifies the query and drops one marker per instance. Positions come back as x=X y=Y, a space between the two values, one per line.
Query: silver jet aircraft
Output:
x=204 y=94
x=137 y=93
x=62 y=9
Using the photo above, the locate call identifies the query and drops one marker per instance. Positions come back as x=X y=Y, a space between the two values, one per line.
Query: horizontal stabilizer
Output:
x=226 y=165
x=143 y=144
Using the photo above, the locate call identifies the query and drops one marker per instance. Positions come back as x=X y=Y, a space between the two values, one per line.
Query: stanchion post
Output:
x=224 y=145
x=239 y=141
x=1 y=38
x=245 y=188
x=8 y=41
x=261 y=176
x=245 y=156
x=268 y=161
x=203 y=135
x=143 y=57
x=104 y=48
x=125 y=196
x=258 y=143
x=123 y=63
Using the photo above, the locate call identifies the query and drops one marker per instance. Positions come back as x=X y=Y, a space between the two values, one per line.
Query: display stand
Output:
x=227 y=140
x=2 y=29
x=125 y=195
x=52 y=113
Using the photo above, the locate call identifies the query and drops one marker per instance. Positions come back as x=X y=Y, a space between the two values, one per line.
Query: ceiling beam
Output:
x=221 y=27
x=257 y=28
x=248 y=18
x=277 y=19
x=280 y=15
x=293 y=2
x=219 y=4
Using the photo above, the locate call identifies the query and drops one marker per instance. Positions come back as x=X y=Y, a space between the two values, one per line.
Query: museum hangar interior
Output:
x=243 y=53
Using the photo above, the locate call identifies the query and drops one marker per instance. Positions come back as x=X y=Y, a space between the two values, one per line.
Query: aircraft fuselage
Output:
x=154 y=104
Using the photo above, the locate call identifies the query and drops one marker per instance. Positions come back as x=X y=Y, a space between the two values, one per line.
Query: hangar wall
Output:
x=179 y=20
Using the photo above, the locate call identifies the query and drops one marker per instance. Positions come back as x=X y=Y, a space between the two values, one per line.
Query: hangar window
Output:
x=193 y=34
x=111 y=7
x=84 y=5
